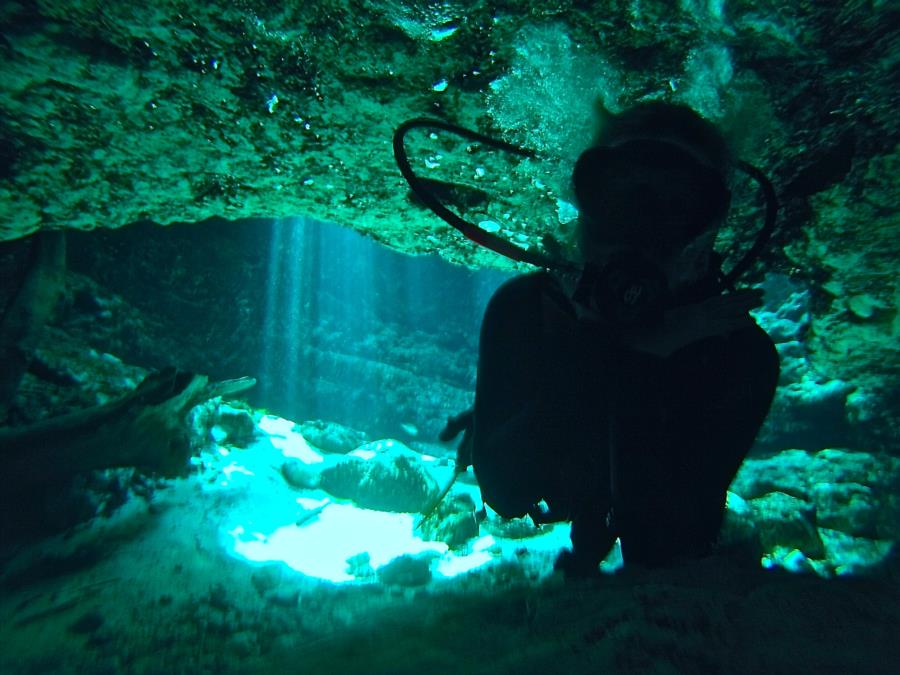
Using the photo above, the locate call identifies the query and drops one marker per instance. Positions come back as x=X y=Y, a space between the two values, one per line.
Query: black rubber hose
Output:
x=469 y=230
x=765 y=232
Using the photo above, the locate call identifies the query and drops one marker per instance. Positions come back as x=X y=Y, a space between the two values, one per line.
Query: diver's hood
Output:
x=661 y=194
x=714 y=206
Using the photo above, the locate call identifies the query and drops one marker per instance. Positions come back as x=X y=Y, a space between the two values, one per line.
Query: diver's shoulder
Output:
x=524 y=287
x=517 y=302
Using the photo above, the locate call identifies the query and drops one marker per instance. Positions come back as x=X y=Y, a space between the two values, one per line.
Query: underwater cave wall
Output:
x=346 y=330
x=113 y=113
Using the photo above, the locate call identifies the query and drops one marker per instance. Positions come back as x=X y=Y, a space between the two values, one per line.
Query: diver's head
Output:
x=656 y=180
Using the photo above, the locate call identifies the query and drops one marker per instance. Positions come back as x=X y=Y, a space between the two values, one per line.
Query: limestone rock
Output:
x=853 y=492
x=848 y=507
x=300 y=475
x=360 y=566
x=453 y=522
x=394 y=480
x=406 y=570
x=808 y=411
x=837 y=465
x=788 y=522
x=859 y=491
x=853 y=335
x=234 y=426
x=785 y=316
x=739 y=532
x=331 y=436
x=851 y=555
x=785 y=472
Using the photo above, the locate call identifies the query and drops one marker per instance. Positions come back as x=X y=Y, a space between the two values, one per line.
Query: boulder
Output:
x=453 y=522
x=393 y=480
x=406 y=570
x=785 y=472
x=852 y=491
x=234 y=426
x=331 y=436
x=300 y=475
x=852 y=555
x=787 y=522
x=848 y=507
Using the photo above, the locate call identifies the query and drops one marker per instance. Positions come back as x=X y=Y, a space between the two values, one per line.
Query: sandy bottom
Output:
x=161 y=588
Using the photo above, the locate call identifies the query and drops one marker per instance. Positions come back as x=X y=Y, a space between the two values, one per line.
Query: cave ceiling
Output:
x=113 y=113
x=117 y=112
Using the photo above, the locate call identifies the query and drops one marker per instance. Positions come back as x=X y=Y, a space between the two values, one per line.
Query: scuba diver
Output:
x=623 y=392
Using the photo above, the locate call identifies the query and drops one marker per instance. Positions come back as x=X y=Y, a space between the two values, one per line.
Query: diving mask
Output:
x=628 y=288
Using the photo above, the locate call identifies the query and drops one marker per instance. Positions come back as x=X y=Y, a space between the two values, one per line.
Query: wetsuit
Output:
x=620 y=442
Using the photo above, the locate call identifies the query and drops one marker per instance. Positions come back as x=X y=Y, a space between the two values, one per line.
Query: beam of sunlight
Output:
x=262 y=519
x=273 y=301
x=341 y=531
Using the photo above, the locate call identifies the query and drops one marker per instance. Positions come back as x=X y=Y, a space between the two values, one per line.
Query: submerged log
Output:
x=145 y=429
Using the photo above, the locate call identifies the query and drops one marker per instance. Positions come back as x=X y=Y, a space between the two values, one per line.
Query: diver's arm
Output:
x=686 y=324
x=518 y=402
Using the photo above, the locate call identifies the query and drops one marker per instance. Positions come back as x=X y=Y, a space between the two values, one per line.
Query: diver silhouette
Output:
x=625 y=399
